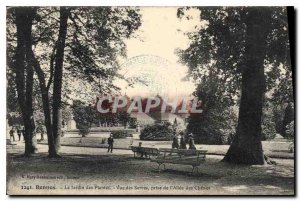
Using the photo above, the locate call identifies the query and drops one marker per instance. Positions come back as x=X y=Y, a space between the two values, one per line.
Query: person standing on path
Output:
x=12 y=134
x=110 y=142
x=19 y=132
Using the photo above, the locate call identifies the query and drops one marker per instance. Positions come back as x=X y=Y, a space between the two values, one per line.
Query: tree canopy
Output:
x=219 y=42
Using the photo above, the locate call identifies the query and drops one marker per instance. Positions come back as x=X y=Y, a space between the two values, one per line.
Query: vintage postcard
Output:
x=150 y=100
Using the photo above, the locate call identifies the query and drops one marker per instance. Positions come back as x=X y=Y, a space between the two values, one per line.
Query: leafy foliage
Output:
x=290 y=130
x=268 y=126
x=118 y=134
x=218 y=121
x=220 y=42
x=288 y=118
x=14 y=120
x=123 y=117
x=94 y=44
x=157 y=132
x=132 y=123
x=11 y=93
x=83 y=116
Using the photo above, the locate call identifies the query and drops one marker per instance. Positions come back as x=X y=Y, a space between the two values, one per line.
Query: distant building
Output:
x=155 y=114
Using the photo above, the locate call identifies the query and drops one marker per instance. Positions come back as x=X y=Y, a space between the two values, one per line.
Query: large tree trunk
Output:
x=58 y=72
x=246 y=147
x=45 y=100
x=24 y=82
x=31 y=12
x=59 y=131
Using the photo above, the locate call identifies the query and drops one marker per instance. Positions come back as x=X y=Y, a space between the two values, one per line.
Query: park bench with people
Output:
x=191 y=157
x=144 y=151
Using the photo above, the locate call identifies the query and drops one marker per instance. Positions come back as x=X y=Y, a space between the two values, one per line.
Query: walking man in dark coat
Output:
x=110 y=142
x=12 y=134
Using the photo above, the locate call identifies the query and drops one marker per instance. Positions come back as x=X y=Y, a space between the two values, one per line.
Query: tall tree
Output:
x=246 y=147
x=24 y=72
x=248 y=46
x=58 y=76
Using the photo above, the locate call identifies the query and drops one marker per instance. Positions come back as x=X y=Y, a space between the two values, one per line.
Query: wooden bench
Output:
x=191 y=157
x=145 y=151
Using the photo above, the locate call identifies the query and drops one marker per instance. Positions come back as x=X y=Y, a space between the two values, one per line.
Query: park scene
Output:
x=150 y=101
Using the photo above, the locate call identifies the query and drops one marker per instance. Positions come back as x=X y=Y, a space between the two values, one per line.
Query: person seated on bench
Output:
x=141 y=151
x=191 y=141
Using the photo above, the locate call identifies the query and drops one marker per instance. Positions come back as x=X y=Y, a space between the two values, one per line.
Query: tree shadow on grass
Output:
x=75 y=158
x=234 y=178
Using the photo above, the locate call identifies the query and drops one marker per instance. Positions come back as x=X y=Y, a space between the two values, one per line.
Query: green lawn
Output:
x=276 y=149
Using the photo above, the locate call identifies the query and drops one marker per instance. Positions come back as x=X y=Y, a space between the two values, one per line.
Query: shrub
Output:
x=217 y=123
x=83 y=130
x=213 y=127
x=132 y=123
x=268 y=130
x=83 y=116
x=268 y=123
x=157 y=132
x=14 y=119
x=121 y=134
x=290 y=130
x=288 y=118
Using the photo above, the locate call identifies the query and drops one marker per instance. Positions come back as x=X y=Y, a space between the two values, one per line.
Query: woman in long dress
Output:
x=191 y=142
x=182 y=142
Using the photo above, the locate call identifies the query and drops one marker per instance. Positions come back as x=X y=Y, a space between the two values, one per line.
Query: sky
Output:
x=151 y=55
